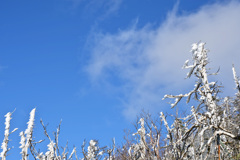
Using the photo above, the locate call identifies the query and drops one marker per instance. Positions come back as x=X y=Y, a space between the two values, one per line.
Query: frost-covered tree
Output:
x=208 y=129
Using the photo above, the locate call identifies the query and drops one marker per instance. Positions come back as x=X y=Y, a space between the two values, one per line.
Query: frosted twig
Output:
x=26 y=140
x=236 y=78
x=4 y=145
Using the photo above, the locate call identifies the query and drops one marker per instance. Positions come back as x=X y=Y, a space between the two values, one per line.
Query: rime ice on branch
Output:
x=26 y=140
x=236 y=79
x=4 y=145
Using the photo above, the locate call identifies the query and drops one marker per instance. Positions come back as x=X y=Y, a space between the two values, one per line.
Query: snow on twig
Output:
x=4 y=145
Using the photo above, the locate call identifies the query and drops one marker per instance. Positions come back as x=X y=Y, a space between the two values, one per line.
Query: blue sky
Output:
x=96 y=64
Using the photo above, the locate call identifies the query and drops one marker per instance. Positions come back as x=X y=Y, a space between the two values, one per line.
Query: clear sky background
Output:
x=95 y=64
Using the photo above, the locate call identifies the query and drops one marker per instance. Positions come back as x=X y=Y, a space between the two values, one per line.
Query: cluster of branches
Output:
x=54 y=151
x=209 y=129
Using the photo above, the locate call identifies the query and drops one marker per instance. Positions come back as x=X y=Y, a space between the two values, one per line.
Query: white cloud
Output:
x=147 y=62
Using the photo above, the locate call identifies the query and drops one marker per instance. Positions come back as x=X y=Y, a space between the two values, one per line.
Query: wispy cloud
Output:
x=106 y=7
x=146 y=63
x=109 y=7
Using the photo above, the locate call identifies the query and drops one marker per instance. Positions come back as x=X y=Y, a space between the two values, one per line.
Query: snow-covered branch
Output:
x=236 y=79
x=7 y=132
